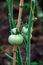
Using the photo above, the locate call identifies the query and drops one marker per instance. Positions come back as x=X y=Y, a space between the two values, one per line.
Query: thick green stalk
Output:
x=10 y=7
x=28 y=47
x=28 y=43
x=19 y=58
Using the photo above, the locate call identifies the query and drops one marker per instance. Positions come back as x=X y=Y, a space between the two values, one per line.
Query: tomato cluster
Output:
x=25 y=32
x=17 y=39
x=14 y=38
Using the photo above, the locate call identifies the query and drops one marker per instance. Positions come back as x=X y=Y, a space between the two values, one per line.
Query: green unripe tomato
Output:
x=13 y=30
x=25 y=30
x=40 y=14
x=26 y=37
x=25 y=33
x=15 y=39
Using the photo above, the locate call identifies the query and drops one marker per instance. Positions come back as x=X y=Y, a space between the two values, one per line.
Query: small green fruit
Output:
x=26 y=37
x=25 y=30
x=13 y=30
x=40 y=14
x=15 y=39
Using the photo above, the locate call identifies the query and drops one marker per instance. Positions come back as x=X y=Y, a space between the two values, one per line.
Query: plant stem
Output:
x=28 y=47
x=19 y=58
x=7 y=55
x=10 y=7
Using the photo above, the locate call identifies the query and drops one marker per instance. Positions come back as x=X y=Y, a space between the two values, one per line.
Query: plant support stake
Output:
x=20 y=14
x=19 y=58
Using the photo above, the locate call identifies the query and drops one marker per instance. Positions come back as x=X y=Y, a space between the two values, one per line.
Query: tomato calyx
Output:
x=15 y=31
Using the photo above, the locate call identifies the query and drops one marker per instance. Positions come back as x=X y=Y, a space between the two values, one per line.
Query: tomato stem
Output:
x=10 y=7
x=28 y=47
